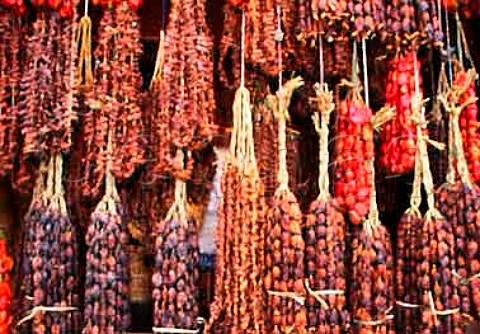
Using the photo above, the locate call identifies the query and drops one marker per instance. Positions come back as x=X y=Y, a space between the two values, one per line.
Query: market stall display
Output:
x=109 y=119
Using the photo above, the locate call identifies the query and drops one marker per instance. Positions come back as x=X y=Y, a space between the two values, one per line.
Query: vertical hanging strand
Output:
x=242 y=52
x=449 y=48
x=320 y=59
x=459 y=38
x=282 y=112
x=84 y=40
x=365 y=72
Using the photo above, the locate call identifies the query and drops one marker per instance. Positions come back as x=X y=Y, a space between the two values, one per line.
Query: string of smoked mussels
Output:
x=284 y=245
x=239 y=300
x=459 y=201
x=325 y=240
x=112 y=107
x=371 y=285
x=106 y=283
x=469 y=124
x=424 y=278
x=176 y=266
x=50 y=258
x=405 y=278
x=325 y=234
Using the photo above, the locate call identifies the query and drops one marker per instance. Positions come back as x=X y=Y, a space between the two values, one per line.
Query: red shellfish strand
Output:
x=185 y=114
x=469 y=126
x=398 y=139
x=128 y=128
x=353 y=147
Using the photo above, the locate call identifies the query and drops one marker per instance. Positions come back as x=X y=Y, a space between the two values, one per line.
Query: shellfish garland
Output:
x=176 y=275
x=107 y=308
x=50 y=268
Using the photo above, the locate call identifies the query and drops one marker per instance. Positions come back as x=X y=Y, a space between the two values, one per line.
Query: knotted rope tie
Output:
x=379 y=322
x=285 y=294
x=431 y=306
x=319 y=293
x=167 y=330
x=466 y=281
x=42 y=309
x=325 y=106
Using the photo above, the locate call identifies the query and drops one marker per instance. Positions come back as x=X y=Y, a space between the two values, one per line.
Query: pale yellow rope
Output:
x=416 y=196
x=110 y=200
x=450 y=99
x=179 y=209
x=43 y=309
x=279 y=104
x=284 y=294
x=84 y=40
x=431 y=307
x=325 y=106
x=158 y=71
x=387 y=317
x=39 y=188
x=57 y=201
x=422 y=151
x=467 y=280
x=320 y=293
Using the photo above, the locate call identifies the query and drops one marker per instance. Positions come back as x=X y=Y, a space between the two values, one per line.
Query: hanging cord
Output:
x=242 y=52
x=462 y=44
x=418 y=106
x=279 y=39
x=451 y=102
x=449 y=48
x=158 y=71
x=320 y=59
x=324 y=104
x=49 y=189
x=325 y=107
x=84 y=40
x=282 y=111
x=365 y=72
x=39 y=188
x=179 y=208
x=110 y=200
x=355 y=69
x=416 y=196
x=459 y=39
x=241 y=140
x=280 y=104
x=57 y=202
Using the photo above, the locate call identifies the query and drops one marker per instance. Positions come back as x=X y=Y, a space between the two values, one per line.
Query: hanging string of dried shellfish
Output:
x=405 y=277
x=372 y=295
x=354 y=146
x=176 y=266
x=464 y=80
x=184 y=105
x=114 y=102
x=458 y=200
x=238 y=305
x=106 y=285
x=325 y=237
x=9 y=76
x=414 y=264
x=50 y=246
x=46 y=108
x=284 y=245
